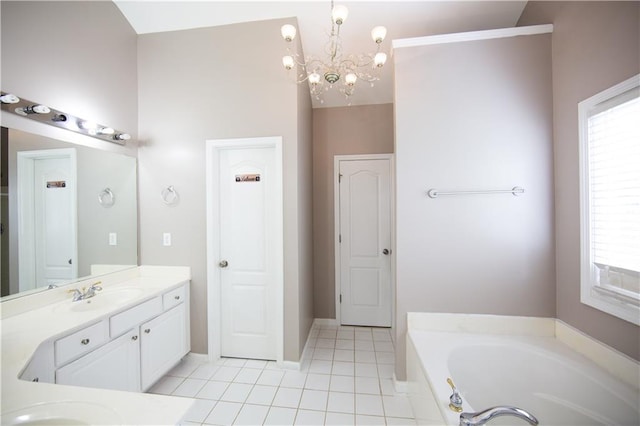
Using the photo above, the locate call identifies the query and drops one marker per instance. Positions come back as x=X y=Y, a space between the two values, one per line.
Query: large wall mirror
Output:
x=68 y=212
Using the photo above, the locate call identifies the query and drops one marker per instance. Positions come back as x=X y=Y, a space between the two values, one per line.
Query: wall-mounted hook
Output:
x=170 y=196
x=106 y=198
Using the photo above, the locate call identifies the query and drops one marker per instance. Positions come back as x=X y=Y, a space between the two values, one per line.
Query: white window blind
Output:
x=614 y=182
x=610 y=200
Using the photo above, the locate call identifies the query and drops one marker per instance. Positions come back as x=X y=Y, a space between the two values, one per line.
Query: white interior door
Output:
x=365 y=242
x=249 y=262
x=54 y=225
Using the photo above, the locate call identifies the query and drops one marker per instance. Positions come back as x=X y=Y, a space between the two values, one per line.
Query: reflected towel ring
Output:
x=106 y=198
x=170 y=196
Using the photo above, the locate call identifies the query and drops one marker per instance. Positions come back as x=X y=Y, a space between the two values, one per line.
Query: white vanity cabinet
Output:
x=41 y=367
x=116 y=365
x=129 y=350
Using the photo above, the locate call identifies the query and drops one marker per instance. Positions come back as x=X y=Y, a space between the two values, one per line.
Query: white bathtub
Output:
x=536 y=372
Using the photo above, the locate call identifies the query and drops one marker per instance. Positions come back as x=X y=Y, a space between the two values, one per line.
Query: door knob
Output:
x=223 y=264
x=385 y=252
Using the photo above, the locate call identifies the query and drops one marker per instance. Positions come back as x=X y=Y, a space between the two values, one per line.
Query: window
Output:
x=610 y=200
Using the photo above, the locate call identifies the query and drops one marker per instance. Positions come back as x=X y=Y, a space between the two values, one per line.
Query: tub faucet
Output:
x=482 y=417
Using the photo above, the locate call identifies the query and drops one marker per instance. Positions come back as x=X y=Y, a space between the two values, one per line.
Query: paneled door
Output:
x=248 y=261
x=364 y=242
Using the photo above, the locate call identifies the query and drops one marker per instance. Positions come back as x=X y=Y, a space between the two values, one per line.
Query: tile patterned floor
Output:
x=345 y=379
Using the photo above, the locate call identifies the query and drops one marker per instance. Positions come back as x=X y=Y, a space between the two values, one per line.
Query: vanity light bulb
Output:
x=40 y=109
x=9 y=99
x=88 y=125
x=122 y=137
x=106 y=131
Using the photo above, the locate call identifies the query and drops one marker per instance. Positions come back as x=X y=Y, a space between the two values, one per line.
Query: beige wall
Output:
x=337 y=131
x=595 y=46
x=474 y=115
x=218 y=83
x=77 y=57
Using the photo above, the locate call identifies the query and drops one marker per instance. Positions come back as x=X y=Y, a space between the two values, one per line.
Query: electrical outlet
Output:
x=113 y=239
x=166 y=239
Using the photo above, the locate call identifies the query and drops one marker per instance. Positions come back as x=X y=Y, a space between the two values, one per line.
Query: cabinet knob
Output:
x=36 y=379
x=147 y=330
x=85 y=341
x=176 y=297
x=134 y=338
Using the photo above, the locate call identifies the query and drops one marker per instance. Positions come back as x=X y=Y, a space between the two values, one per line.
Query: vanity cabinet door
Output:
x=163 y=342
x=115 y=365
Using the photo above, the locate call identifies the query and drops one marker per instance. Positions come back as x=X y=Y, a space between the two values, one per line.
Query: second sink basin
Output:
x=67 y=413
x=104 y=298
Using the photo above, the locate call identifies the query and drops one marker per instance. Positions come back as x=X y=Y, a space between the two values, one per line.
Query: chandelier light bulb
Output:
x=350 y=79
x=380 y=59
x=288 y=32
x=378 y=34
x=288 y=62
x=314 y=78
x=339 y=14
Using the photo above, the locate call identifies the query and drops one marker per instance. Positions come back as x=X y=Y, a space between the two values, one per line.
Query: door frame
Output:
x=214 y=320
x=25 y=165
x=336 y=223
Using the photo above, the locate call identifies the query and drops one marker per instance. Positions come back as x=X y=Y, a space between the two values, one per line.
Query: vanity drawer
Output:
x=173 y=297
x=81 y=342
x=125 y=321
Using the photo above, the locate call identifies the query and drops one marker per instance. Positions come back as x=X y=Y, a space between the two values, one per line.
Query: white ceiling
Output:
x=403 y=19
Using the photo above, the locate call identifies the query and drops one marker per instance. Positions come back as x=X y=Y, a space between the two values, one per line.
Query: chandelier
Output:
x=336 y=69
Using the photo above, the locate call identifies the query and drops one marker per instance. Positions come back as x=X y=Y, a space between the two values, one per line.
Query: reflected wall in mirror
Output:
x=68 y=211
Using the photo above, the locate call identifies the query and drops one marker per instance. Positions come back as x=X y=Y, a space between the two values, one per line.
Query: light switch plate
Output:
x=113 y=239
x=166 y=239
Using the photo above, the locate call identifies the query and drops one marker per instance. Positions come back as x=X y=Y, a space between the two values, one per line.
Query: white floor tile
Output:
x=364 y=345
x=262 y=395
x=365 y=356
x=341 y=384
x=247 y=375
x=212 y=390
x=385 y=371
x=366 y=370
x=166 y=385
x=293 y=379
x=387 y=386
x=343 y=355
x=339 y=419
x=251 y=415
x=287 y=397
x=270 y=377
x=271 y=365
x=225 y=374
x=397 y=406
x=224 y=413
x=367 y=385
x=236 y=392
x=314 y=400
x=341 y=402
x=370 y=420
x=280 y=416
x=189 y=388
x=369 y=404
x=385 y=357
x=343 y=368
x=311 y=418
x=234 y=362
x=317 y=381
x=204 y=371
x=255 y=363
x=345 y=344
x=345 y=334
x=396 y=421
x=320 y=366
x=325 y=343
x=184 y=368
x=327 y=334
x=199 y=410
x=383 y=346
x=322 y=353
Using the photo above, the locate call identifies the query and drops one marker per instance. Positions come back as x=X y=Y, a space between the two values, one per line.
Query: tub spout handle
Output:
x=455 y=400
x=482 y=417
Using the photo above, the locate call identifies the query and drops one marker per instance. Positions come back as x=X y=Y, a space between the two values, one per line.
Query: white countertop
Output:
x=31 y=320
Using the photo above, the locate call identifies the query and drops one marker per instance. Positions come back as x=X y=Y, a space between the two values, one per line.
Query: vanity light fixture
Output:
x=44 y=114
x=9 y=98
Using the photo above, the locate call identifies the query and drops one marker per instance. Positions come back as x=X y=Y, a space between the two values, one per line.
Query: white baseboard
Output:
x=192 y=356
x=290 y=365
x=399 y=385
x=330 y=322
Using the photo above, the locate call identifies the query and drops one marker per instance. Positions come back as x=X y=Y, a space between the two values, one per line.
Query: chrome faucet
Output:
x=482 y=417
x=86 y=293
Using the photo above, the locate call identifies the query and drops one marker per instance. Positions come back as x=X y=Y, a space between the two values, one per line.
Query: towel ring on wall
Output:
x=106 y=198
x=170 y=196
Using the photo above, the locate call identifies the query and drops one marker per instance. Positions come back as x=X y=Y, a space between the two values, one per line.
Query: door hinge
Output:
x=339 y=238
x=339 y=177
x=340 y=298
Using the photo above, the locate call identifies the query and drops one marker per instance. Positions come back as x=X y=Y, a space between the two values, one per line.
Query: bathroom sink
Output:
x=104 y=298
x=68 y=413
